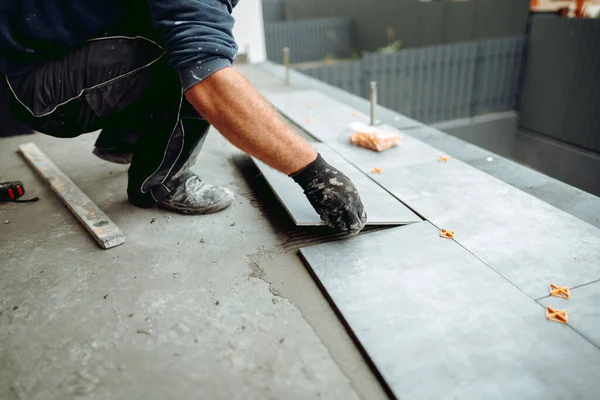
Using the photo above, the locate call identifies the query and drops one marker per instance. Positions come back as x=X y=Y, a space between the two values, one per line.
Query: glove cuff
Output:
x=310 y=172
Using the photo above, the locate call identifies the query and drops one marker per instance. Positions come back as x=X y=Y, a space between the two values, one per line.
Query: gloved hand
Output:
x=333 y=196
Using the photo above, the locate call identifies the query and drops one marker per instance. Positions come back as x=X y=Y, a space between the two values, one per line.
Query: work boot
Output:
x=192 y=196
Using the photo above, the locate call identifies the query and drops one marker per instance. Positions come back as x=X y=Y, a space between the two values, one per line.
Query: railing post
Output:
x=286 y=64
x=373 y=98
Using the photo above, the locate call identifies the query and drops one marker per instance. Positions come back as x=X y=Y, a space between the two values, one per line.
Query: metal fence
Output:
x=561 y=89
x=437 y=83
x=310 y=40
x=499 y=72
x=346 y=75
x=272 y=11
x=418 y=23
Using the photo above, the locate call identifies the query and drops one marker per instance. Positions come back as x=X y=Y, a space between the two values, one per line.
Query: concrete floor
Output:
x=216 y=307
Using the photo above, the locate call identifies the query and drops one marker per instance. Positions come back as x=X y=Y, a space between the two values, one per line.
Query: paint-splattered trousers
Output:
x=124 y=86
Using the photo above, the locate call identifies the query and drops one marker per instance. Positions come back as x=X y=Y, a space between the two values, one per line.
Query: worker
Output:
x=154 y=75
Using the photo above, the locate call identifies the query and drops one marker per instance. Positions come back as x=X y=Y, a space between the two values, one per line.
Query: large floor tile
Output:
x=529 y=242
x=439 y=324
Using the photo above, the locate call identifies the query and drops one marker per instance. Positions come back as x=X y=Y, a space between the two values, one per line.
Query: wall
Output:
x=561 y=90
x=494 y=132
x=249 y=30
x=418 y=23
x=346 y=75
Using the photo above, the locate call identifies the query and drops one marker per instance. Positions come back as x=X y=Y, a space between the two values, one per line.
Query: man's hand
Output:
x=333 y=196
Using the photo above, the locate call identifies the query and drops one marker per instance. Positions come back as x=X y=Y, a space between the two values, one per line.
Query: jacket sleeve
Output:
x=197 y=35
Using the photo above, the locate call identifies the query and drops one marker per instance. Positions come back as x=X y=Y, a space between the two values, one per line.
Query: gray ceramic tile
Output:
x=451 y=145
x=439 y=324
x=319 y=115
x=582 y=205
x=529 y=242
x=382 y=208
x=582 y=309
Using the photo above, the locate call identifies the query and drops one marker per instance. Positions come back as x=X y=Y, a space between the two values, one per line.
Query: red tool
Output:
x=12 y=191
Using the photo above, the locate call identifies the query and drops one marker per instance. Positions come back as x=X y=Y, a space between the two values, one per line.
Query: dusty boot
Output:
x=192 y=196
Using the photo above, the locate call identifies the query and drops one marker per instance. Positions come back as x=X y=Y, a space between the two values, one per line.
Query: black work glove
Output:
x=333 y=196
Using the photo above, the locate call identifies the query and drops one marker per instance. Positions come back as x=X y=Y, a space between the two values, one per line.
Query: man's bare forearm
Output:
x=233 y=106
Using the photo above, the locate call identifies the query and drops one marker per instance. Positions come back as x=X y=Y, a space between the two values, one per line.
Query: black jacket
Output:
x=194 y=33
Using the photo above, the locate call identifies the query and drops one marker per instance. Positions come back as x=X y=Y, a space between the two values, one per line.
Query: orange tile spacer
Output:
x=447 y=234
x=560 y=291
x=443 y=158
x=377 y=170
x=307 y=119
x=355 y=114
x=556 y=315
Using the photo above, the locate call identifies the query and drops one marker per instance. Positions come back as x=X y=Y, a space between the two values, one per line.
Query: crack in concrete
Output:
x=258 y=273
x=15 y=391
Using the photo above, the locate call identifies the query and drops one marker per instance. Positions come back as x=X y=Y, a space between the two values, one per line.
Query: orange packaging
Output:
x=373 y=137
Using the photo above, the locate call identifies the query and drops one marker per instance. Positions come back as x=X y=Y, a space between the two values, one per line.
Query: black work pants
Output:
x=124 y=86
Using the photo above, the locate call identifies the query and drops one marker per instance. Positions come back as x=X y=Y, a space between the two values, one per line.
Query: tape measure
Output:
x=13 y=191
